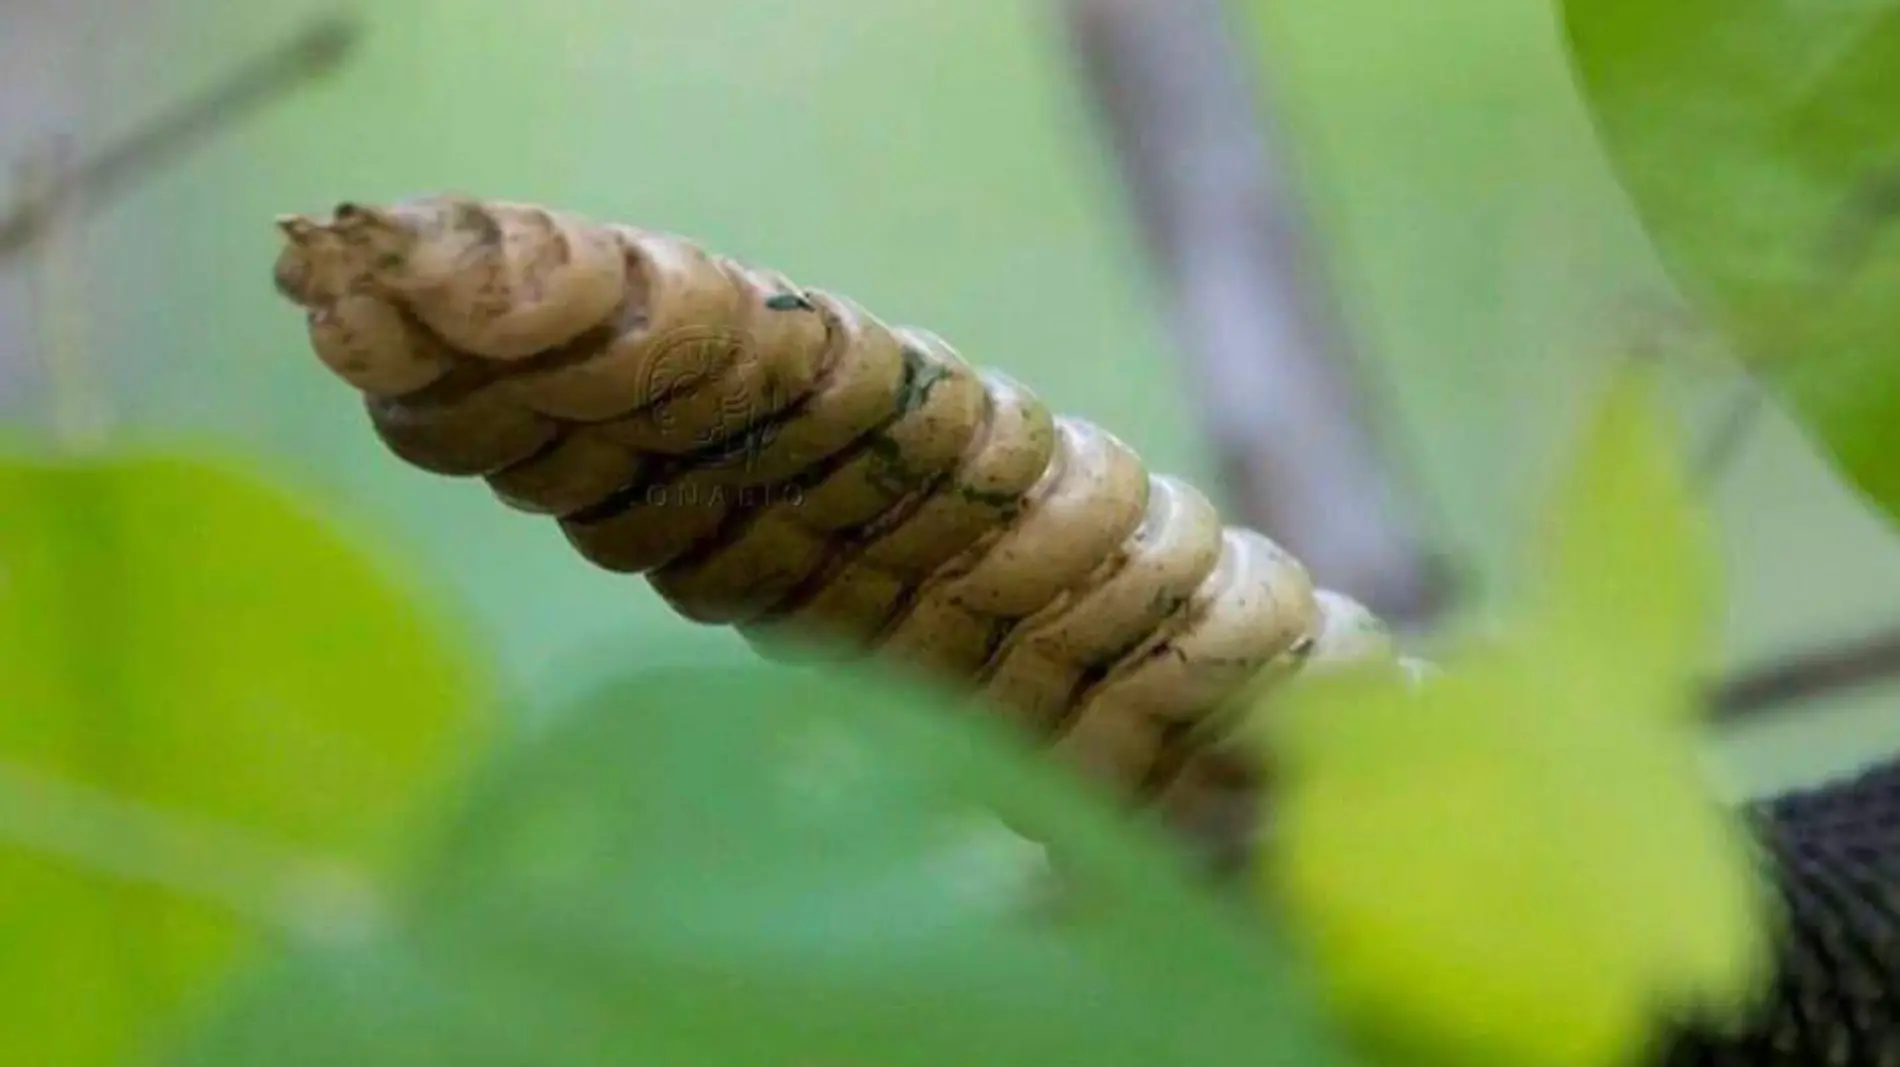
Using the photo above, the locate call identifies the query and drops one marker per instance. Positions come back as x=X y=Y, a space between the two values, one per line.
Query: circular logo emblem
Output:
x=697 y=389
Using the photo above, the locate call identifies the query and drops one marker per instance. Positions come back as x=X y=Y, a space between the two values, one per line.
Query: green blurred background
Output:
x=938 y=161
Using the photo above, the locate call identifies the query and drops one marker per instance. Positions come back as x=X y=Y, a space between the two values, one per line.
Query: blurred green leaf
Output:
x=1520 y=862
x=1760 y=141
x=762 y=867
x=213 y=706
x=1626 y=562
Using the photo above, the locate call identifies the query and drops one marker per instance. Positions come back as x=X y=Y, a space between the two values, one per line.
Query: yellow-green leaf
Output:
x=1626 y=563
x=1519 y=861
x=210 y=697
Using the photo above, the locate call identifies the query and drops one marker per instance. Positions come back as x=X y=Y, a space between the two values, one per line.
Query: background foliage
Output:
x=1486 y=252
x=250 y=728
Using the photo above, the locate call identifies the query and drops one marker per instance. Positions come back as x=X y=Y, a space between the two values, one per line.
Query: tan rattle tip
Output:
x=300 y=230
x=378 y=226
x=351 y=213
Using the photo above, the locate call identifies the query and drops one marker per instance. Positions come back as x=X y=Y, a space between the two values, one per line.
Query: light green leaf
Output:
x=1760 y=142
x=1519 y=862
x=766 y=868
x=1626 y=562
x=215 y=710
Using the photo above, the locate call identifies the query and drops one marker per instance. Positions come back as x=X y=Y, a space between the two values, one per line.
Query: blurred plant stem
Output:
x=78 y=408
x=57 y=189
x=1823 y=672
x=316 y=51
x=1271 y=359
x=1740 y=416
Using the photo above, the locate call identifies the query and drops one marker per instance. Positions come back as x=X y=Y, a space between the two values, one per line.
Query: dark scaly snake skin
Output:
x=1835 y=856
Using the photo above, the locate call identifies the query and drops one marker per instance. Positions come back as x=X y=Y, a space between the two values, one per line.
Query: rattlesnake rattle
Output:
x=777 y=459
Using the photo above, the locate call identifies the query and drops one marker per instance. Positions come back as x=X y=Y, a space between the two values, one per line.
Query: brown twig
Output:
x=317 y=51
x=1868 y=661
x=77 y=406
x=1669 y=334
x=1740 y=416
x=1274 y=366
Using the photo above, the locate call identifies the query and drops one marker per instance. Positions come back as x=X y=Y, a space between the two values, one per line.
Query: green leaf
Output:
x=1760 y=142
x=756 y=867
x=1626 y=561
x=1520 y=861
x=215 y=712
